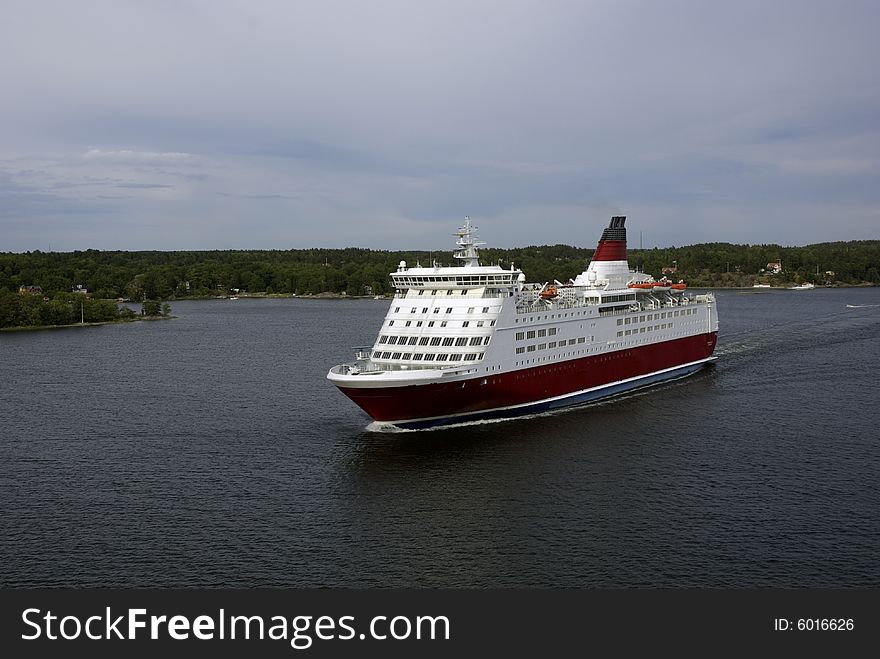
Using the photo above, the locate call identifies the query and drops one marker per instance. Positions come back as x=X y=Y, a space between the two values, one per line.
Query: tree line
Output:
x=154 y=275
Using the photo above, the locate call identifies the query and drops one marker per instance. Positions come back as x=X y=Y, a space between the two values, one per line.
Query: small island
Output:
x=31 y=309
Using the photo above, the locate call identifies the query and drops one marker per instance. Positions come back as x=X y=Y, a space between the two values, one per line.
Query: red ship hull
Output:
x=545 y=386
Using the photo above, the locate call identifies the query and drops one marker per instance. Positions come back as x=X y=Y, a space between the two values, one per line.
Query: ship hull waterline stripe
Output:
x=557 y=402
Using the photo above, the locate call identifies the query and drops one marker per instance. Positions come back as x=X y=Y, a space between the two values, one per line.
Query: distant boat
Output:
x=806 y=286
x=233 y=297
x=761 y=286
x=861 y=306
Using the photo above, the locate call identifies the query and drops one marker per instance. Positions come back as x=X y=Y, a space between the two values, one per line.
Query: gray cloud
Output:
x=380 y=124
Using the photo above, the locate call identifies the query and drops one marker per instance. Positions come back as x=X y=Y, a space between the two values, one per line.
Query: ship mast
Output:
x=468 y=245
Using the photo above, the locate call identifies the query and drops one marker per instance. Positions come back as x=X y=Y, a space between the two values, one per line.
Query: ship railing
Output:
x=556 y=305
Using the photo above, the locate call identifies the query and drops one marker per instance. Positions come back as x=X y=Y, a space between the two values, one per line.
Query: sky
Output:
x=212 y=124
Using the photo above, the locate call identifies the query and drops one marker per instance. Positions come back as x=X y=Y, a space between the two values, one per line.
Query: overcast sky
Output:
x=160 y=124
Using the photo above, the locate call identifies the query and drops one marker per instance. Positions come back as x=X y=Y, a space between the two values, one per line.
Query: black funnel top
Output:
x=615 y=230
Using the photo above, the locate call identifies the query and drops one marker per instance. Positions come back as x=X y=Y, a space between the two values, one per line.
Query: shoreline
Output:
x=29 y=328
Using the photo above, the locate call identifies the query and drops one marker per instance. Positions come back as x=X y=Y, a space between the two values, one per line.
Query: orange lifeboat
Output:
x=680 y=286
x=549 y=293
x=644 y=285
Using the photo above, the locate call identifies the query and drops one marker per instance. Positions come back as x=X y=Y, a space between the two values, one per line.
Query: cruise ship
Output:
x=474 y=342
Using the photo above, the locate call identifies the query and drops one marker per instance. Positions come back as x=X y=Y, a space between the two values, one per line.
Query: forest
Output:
x=156 y=275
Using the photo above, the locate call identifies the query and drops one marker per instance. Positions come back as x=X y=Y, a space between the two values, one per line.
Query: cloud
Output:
x=325 y=123
x=129 y=155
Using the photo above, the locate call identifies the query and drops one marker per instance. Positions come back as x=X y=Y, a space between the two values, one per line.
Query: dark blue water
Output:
x=209 y=450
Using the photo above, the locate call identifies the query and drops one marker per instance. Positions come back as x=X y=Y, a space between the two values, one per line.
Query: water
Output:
x=210 y=451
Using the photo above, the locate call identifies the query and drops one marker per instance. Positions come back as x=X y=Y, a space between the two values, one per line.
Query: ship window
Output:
x=542 y=346
x=530 y=348
x=408 y=323
x=443 y=323
x=571 y=342
x=396 y=309
x=626 y=321
x=620 y=321
x=386 y=355
x=620 y=333
x=542 y=332
x=641 y=319
x=418 y=323
x=435 y=341
x=552 y=331
x=421 y=292
x=480 y=355
x=531 y=334
x=424 y=309
x=520 y=350
x=448 y=309
x=423 y=341
x=551 y=345
x=413 y=340
x=479 y=323
x=486 y=340
x=376 y=354
x=471 y=356
x=491 y=323
x=433 y=292
x=641 y=330
x=390 y=323
x=407 y=355
x=392 y=340
x=437 y=310
x=581 y=339
x=418 y=357
x=628 y=332
x=383 y=339
x=466 y=323
x=442 y=357
x=455 y=358
x=476 y=340
x=449 y=292
x=464 y=291
x=461 y=341
x=430 y=357
x=520 y=336
x=430 y=323
x=447 y=341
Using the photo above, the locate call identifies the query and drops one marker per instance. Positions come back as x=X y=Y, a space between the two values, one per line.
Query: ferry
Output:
x=476 y=342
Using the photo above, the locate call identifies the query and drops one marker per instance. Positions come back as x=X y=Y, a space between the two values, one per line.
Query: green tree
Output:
x=150 y=308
